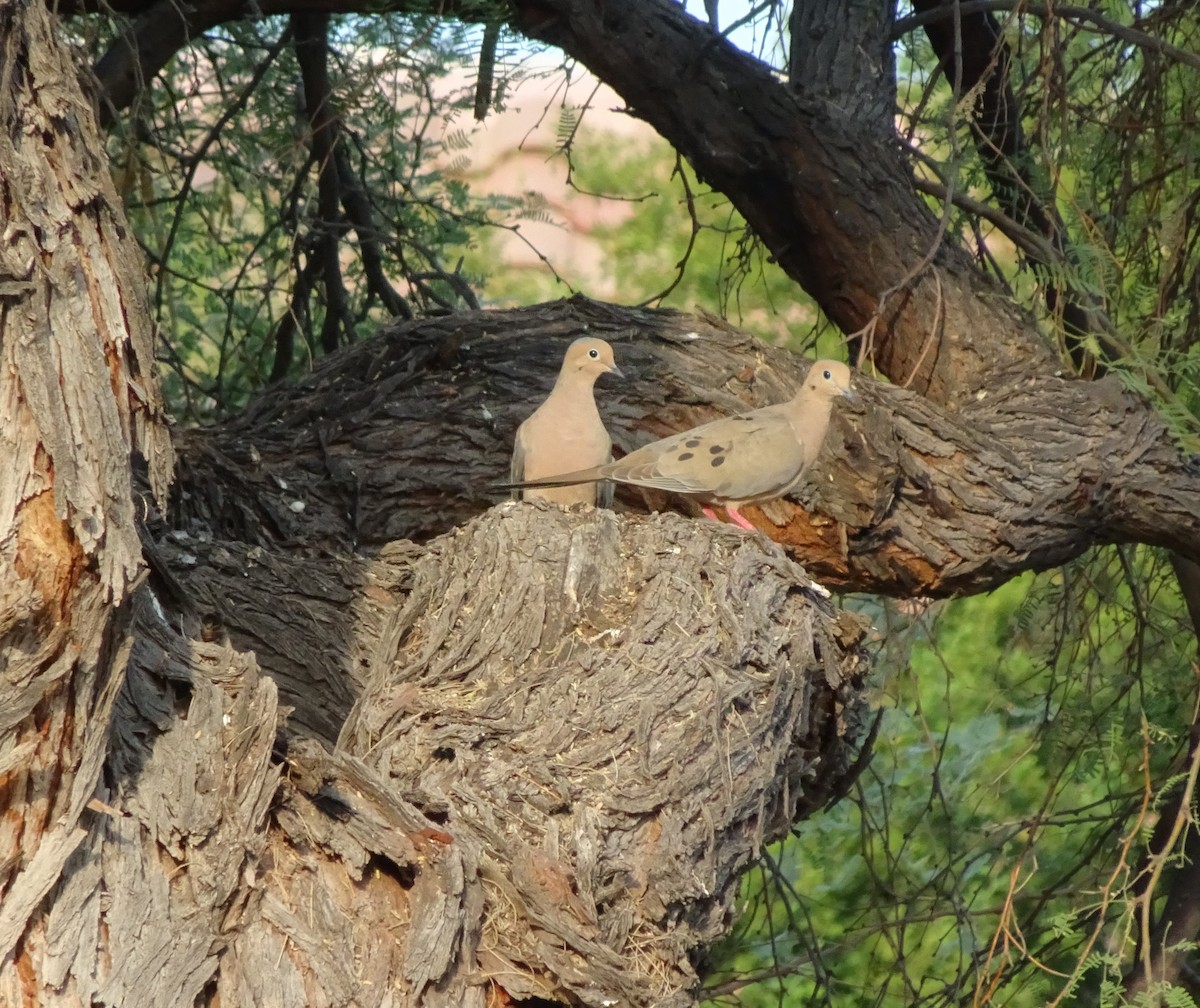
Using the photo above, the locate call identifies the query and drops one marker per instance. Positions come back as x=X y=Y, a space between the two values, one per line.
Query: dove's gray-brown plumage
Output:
x=566 y=432
x=757 y=456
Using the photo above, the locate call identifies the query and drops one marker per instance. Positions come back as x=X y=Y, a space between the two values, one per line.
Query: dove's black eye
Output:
x=826 y=375
x=594 y=353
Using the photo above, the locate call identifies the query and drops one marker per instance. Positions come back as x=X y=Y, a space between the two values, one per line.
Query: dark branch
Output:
x=841 y=53
x=165 y=27
x=977 y=60
x=358 y=213
x=1081 y=16
x=312 y=56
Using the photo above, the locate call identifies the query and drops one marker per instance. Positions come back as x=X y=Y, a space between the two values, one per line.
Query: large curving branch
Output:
x=830 y=198
x=401 y=436
x=1084 y=17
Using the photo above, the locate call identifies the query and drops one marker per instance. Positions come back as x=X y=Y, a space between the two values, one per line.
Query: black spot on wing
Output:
x=692 y=443
x=716 y=449
x=684 y=456
x=719 y=460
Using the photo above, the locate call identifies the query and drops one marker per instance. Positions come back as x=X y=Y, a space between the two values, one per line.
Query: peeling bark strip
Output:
x=75 y=324
x=172 y=865
x=74 y=333
x=572 y=732
x=400 y=437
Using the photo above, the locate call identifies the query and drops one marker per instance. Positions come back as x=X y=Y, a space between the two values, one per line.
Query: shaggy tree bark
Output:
x=358 y=739
x=530 y=757
x=74 y=400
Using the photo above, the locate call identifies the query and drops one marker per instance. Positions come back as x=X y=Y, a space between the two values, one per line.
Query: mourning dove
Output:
x=739 y=460
x=566 y=432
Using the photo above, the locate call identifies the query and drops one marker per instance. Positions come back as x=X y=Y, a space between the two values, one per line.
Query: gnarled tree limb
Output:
x=400 y=437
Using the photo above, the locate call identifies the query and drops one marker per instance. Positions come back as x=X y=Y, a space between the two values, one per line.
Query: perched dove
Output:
x=757 y=456
x=566 y=431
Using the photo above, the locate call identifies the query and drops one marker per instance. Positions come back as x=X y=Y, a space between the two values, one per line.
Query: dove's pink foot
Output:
x=737 y=517
x=734 y=515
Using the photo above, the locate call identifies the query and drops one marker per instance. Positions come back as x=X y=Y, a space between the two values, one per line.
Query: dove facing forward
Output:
x=566 y=431
x=738 y=460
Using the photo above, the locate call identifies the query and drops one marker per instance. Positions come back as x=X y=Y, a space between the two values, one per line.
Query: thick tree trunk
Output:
x=74 y=402
x=842 y=54
x=567 y=736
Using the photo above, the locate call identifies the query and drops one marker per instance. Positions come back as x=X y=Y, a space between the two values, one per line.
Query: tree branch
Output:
x=977 y=58
x=841 y=53
x=164 y=27
x=1068 y=12
x=324 y=128
x=826 y=194
x=906 y=499
x=358 y=212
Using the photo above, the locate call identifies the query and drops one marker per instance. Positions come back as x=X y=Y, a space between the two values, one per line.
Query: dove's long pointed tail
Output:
x=566 y=479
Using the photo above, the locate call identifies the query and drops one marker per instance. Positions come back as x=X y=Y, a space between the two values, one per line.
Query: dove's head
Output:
x=828 y=379
x=591 y=357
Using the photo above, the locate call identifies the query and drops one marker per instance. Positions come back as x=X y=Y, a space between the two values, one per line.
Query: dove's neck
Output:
x=808 y=407
x=573 y=383
x=809 y=416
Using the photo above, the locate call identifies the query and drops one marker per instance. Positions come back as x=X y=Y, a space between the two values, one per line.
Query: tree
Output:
x=529 y=753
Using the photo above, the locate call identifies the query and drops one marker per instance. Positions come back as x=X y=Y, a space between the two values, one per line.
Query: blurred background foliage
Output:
x=1029 y=799
x=990 y=850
